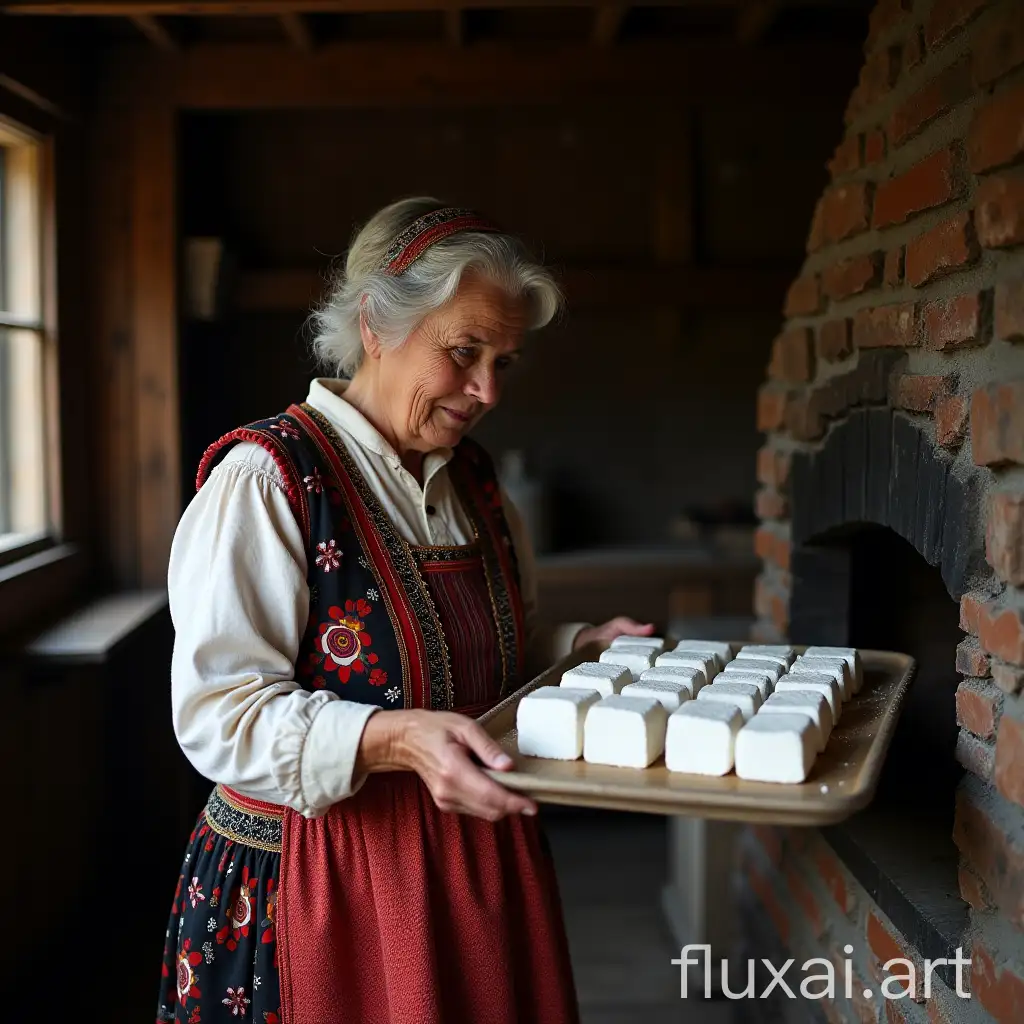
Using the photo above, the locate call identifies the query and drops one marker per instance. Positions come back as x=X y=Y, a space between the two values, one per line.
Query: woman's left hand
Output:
x=621 y=625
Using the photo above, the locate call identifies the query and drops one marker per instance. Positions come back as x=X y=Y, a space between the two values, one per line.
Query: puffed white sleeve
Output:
x=545 y=642
x=239 y=602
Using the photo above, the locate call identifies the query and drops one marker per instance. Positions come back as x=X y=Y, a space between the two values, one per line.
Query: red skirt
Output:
x=394 y=912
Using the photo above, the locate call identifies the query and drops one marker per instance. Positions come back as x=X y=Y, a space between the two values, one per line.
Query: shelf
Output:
x=751 y=289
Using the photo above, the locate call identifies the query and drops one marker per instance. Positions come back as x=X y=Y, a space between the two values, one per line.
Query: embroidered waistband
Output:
x=244 y=820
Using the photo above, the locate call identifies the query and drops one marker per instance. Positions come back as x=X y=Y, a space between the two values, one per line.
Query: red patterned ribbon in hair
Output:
x=423 y=232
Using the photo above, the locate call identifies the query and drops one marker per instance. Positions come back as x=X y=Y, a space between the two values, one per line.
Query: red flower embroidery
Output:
x=240 y=911
x=187 y=959
x=344 y=641
x=236 y=1001
x=328 y=556
x=269 y=1017
x=493 y=494
x=268 y=921
x=378 y=677
x=284 y=428
x=314 y=482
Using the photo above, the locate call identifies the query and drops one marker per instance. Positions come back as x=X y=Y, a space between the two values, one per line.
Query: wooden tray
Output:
x=842 y=781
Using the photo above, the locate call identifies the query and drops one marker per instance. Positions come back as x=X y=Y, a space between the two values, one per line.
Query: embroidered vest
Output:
x=374 y=633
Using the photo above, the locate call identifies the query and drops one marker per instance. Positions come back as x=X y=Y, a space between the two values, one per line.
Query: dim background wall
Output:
x=632 y=408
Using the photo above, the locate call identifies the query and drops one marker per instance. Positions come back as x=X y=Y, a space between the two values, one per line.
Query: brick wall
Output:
x=916 y=255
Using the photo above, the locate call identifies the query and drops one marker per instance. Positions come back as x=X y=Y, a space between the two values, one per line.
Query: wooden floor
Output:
x=611 y=868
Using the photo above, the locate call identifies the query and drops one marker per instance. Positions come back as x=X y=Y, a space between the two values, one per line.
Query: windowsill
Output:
x=40 y=586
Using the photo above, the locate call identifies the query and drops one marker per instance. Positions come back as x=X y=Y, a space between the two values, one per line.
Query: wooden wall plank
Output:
x=154 y=320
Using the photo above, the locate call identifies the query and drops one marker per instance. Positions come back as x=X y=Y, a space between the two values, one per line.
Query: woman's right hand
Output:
x=437 y=746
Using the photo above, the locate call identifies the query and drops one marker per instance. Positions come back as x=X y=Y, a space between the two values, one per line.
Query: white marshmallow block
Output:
x=628 y=732
x=636 y=659
x=744 y=696
x=762 y=680
x=836 y=667
x=549 y=721
x=701 y=738
x=741 y=664
x=691 y=678
x=803 y=702
x=670 y=693
x=783 y=651
x=655 y=643
x=712 y=665
x=606 y=679
x=776 y=748
x=719 y=648
x=697 y=662
x=848 y=654
x=822 y=682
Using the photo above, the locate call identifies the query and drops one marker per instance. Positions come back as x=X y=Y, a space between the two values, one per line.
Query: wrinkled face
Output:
x=451 y=369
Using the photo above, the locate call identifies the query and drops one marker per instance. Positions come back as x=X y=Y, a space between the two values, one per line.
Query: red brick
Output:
x=885 y=326
x=970 y=611
x=997 y=132
x=884 y=947
x=878 y=74
x=874 y=147
x=919 y=392
x=1010 y=760
x=971 y=660
x=972 y=888
x=1009 y=678
x=1009 y=310
x=998 y=861
x=835 y=340
x=766 y=894
x=803 y=297
x=941 y=94
x=913 y=49
x=1004 y=536
x=892 y=273
x=978 y=708
x=771 y=407
x=1001 y=631
x=835 y=880
x=952 y=323
x=770 y=504
x=977 y=756
x=816 y=236
x=773 y=467
x=929 y=183
x=772 y=547
x=845 y=211
x=997 y=423
x=999 y=211
x=885 y=16
x=999 y=989
x=793 y=356
x=846 y=158
x=999 y=47
x=805 y=899
x=852 y=276
x=947 y=16
x=948 y=247
x=780 y=613
x=951 y=420
x=803 y=417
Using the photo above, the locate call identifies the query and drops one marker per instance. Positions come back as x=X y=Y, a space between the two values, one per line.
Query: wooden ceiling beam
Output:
x=608 y=19
x=248 y=76
x=296 y=28
x=159 y=35
x=275 y=8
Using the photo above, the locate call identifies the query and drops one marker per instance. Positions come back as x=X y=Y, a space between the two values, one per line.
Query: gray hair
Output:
x=394 y=306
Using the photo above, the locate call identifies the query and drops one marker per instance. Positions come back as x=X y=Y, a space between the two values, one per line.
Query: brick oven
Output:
x=892 y=514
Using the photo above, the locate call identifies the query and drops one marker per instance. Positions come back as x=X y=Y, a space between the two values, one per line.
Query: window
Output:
x=24 y=470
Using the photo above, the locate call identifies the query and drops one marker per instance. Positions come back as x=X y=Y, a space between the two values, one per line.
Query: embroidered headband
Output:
x=424 y=231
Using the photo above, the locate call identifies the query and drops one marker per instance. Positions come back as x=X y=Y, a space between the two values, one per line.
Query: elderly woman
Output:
x=350 y=589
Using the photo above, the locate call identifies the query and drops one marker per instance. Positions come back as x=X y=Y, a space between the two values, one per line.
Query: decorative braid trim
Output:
x=426 y=231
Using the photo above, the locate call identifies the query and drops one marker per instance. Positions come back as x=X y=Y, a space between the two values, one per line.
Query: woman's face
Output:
x=451 y=369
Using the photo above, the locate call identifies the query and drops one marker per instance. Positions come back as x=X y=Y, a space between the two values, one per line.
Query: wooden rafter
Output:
x=608 y=19
x=159 y=35
x=296 y=28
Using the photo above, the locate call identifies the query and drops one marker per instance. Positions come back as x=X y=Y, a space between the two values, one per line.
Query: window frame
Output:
x=42 y=572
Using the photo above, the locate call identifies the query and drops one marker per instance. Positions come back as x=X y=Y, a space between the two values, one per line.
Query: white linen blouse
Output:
x=240 y=603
